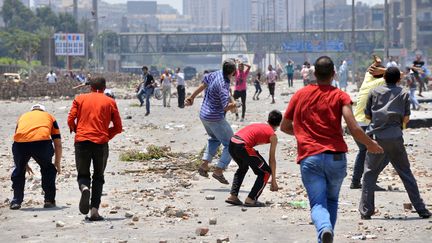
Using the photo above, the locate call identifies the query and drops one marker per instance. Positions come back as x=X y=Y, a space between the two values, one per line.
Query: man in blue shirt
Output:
x=290 y=72
x=217 y=101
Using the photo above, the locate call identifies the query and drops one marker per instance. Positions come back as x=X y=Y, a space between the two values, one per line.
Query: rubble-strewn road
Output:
x=170 y=203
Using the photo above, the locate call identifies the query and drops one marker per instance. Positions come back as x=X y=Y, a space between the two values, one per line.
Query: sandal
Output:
x=98 y=218
x=236 y=202
x=84 y=206
x=255 y=204
x=202 y=172
x=220 y=178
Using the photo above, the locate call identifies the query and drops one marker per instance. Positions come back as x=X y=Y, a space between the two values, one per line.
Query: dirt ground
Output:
x=163 y=200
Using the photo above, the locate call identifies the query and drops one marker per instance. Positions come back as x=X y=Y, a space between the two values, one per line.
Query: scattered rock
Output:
x=222 y=240
x=135 y=218
x=244 y=209
x=284 y=217
x=129 y=214
x=213 y=221
x=24 y=236
x=358 y=237
x=201 y=231
x=60 y=224
x=210 y=197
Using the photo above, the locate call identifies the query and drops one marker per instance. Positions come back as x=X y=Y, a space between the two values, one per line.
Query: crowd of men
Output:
x=313 y=116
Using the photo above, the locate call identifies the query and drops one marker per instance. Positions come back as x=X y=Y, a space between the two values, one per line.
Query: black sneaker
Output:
x=355 y=185
x=147 y=113
x=15 y=206
x=49 y=204
x=379 y=189
x=425 y=214
x=84 y=205
x=327 y=236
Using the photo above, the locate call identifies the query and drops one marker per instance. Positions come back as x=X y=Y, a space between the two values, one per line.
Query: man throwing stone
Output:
x=217 y=101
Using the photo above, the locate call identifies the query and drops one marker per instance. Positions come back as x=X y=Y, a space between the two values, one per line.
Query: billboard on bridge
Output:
x=313 y=46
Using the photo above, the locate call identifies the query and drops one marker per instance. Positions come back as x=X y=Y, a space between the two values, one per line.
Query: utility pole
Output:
x=353 y=38
x=324 y=26
x=287 y=16
x=386 y=29
x=304 y=29
x=75 y=10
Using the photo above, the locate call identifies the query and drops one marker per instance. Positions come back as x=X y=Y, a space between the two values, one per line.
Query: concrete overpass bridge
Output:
x=138 y=48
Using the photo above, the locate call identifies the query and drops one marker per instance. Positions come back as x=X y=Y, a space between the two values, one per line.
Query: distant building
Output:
x=166 y=9
x=142 y=7
x=208 y=15
x=411 y=24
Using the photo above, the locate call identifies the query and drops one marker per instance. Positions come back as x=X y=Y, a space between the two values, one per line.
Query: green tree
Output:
x=16 y=15
x=67 y=23
x=48 y=17
x=21 y=44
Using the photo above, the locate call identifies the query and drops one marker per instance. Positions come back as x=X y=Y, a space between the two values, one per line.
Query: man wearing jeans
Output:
x=217 y=101
x=90 y=117
x=146 y=89
x=314 y=116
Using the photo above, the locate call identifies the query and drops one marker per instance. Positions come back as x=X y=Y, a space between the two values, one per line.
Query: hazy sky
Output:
x=178 y=4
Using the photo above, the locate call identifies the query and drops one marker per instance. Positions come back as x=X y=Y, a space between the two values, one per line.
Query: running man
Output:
x=271 y=76
x=314 y=117
x=90 y=118
x=241 y=86
x=146 y=89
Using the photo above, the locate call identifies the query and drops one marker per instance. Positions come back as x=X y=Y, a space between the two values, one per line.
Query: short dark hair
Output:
x=228 y=67
x=274 y=118
x=392 y=75
x=98 y=83
x=324 y=68
x=144 y=67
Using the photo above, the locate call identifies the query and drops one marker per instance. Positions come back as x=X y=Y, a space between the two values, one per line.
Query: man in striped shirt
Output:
x=217 y=101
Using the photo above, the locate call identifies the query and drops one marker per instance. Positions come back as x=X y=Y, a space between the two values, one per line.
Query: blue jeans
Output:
x=220 y=132
x=147 y=93
x=413 y=99
x=322 y=176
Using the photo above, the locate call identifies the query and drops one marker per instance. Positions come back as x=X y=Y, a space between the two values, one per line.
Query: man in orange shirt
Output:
x=34 y=136
x=90 y=117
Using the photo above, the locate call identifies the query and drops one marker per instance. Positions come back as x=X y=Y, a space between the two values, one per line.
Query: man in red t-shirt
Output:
x=314 y=117
x=242 y=150
x=90 y=118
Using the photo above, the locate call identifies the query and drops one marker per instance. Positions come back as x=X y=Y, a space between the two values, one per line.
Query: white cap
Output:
x=38 y=107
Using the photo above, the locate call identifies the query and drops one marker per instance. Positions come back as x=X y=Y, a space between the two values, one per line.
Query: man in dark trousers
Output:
x=90 y=117
x=35 y=133
x=388 y=108
x=181 y=87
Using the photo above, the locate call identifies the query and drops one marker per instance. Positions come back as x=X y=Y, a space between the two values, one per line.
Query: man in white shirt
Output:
x=271 y=76
x=166 y=88
x=51 y=77
x=181 y=90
